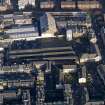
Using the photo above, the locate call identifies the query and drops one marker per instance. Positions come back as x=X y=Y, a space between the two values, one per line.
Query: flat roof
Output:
x=14 y=76
x=41 y=44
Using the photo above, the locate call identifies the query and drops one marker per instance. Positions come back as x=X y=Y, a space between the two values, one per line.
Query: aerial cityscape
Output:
x=52 y=52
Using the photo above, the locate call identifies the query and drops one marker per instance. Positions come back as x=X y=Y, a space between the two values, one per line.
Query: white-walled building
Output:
x=5 y=5
x=8 y=2
x=48 y=25
x=22 y=32
x=23 y=3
